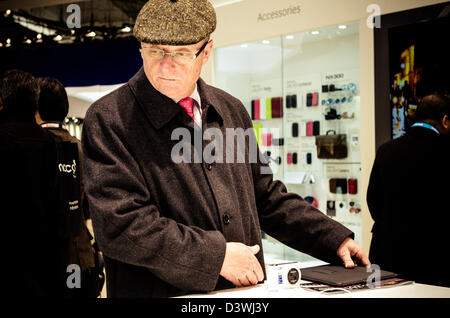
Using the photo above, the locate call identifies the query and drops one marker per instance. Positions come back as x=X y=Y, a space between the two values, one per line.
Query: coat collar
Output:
x=161 y=109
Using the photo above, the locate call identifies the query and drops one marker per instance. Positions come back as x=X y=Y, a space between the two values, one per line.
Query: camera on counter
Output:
x=283 y=275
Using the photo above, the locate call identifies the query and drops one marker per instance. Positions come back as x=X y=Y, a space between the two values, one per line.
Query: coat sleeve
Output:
x=128 y=226
x=292 y=220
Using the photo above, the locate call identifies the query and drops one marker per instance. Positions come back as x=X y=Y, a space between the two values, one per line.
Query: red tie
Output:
x=188 y=105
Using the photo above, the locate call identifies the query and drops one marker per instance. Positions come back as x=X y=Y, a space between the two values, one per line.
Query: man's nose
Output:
x=167 y=60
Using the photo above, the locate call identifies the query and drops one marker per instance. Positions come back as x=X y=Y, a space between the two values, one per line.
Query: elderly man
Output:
x=167 y=227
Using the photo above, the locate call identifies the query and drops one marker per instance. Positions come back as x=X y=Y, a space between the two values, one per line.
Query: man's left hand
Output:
x=348 y=250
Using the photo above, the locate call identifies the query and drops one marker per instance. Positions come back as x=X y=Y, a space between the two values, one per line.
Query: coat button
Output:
x=226 y=219
x=208 y=166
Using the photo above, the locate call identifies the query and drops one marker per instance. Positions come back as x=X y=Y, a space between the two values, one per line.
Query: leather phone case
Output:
x=308 y=158
x=289 y=158
x=338 y=185
x=294 y=101
x=316 y=128
x=315 y=99
x=352 y=186
x=294 y=158
x=295 y=130
x=309 y=128
x=309 y=99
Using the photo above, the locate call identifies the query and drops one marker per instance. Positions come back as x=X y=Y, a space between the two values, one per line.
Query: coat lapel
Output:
x=158 y=108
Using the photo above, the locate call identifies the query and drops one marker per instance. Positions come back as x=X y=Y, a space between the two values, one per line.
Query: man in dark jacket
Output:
x=169 y=220
x=407 y=197
x=27 y=160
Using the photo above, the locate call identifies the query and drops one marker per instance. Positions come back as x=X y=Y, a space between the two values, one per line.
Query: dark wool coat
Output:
x=407 y=198
x=163 y=226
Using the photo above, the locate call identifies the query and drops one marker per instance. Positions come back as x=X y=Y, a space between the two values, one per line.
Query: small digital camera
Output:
x=283 y=275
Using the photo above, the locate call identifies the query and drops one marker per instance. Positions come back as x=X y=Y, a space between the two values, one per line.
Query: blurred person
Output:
x=32 y=263
x=169 y=228
x=52 y=109
x=407 y=197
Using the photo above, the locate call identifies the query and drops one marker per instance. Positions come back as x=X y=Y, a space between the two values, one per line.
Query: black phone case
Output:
x=288 y=101
x=308 y=100
x=295 y=130
x=316 y=128
x=294 y=101
x=308 y=158
x=294 y=158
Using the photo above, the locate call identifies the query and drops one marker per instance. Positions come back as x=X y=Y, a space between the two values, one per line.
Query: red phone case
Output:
x=257 y=109
x=352 y=186
x=309 y=128
x=315 y=99
x=289 y=158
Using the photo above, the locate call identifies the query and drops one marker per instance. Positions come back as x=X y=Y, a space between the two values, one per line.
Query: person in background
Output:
x=52 y=109
x=407 y=197
x=169 y=228
x=32 y=266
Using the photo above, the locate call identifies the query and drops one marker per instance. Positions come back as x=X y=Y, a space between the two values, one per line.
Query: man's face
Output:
x=172 y=79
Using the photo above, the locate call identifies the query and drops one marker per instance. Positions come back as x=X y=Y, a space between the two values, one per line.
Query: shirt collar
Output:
x=159 y=108
x=195 y=96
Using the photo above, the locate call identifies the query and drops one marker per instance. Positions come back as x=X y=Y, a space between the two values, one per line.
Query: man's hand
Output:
x=349 y=249
x=240 y=265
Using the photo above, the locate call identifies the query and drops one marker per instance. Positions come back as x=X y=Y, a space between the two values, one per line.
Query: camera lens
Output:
x=293 y=276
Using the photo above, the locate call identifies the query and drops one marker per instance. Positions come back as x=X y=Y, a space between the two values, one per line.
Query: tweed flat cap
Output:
x=175 y=22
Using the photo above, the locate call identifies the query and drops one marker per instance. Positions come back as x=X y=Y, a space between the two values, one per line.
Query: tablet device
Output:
x=340 y=276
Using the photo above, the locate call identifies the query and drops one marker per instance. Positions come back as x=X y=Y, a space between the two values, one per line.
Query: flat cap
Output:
x=175 y=22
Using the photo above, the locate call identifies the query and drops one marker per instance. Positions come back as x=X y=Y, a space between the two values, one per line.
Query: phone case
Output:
x=294 y=158
x=308 y=158
x=352 y=186
x=331 y=208
x=315 y=99
x=309 y=99
x=277 y=107
x=316 y=128
x=295 y=130
x=288 y=101
x=289 y=158
x=253 y=110
x=309 y=128
x=294 y=101
x=338 y=185
x=257 y=109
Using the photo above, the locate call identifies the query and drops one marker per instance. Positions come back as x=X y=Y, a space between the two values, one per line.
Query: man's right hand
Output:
x=240 y=265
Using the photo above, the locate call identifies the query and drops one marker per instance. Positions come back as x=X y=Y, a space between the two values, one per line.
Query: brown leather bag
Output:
x=332 y=146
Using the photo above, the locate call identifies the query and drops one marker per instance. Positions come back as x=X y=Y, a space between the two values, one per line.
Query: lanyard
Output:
x=425 y=125
x=51 y=125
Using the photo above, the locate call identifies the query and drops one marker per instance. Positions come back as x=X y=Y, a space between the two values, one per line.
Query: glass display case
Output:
x=302 y=92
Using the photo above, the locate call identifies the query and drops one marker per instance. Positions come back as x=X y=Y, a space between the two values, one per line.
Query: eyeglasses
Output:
x=178 y=57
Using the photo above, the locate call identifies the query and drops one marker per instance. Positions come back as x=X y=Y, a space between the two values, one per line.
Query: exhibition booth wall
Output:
x=252 y=21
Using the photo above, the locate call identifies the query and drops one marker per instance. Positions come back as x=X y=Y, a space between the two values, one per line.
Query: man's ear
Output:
x=445 y=122
x=207 y=51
